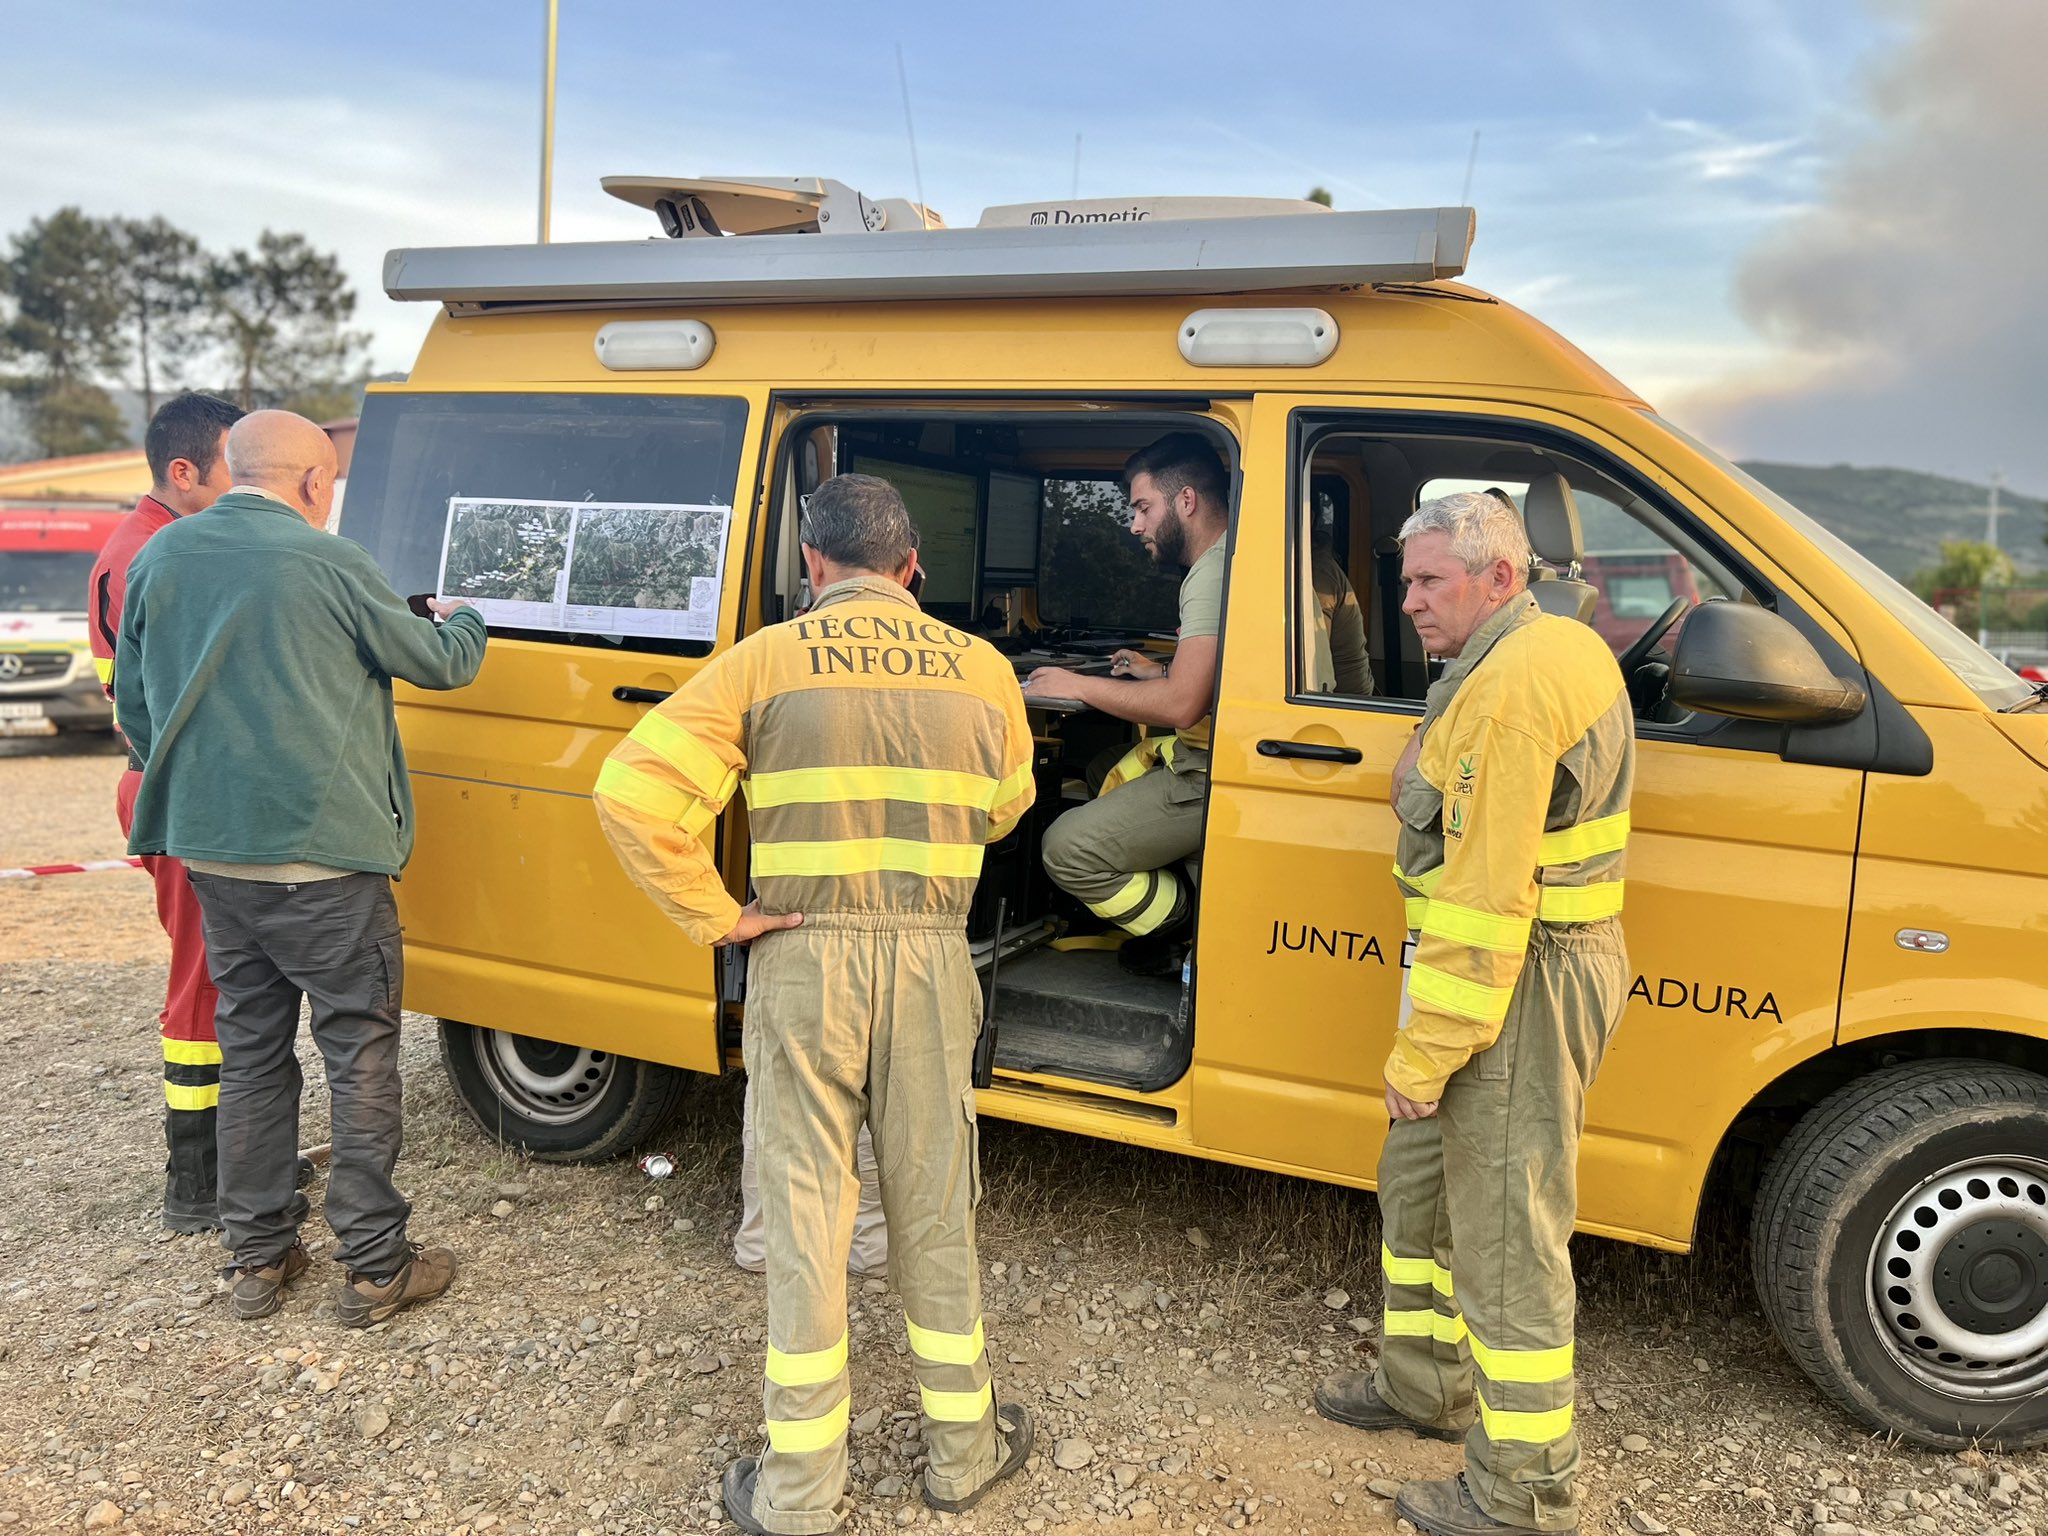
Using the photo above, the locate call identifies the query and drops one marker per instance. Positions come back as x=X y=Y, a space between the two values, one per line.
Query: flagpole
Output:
x=547 y=123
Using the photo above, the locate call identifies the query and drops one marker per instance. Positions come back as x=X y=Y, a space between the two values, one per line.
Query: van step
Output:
x=1080 y=1015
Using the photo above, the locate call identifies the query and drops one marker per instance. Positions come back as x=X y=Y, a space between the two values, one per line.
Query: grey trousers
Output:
x=335 y=942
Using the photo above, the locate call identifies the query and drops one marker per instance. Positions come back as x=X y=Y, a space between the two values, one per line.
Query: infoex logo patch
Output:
x=1069 y=216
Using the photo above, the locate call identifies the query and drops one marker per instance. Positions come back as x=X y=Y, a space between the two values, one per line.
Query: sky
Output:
x=1800 y=229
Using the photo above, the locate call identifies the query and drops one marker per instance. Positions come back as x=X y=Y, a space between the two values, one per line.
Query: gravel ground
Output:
x=596 y=1364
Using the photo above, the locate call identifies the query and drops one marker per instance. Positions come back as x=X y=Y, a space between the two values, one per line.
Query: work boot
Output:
x=1351 y=1397
x=1014 y=1432
x=423 y=1276
x=260 y=1292
x=1159 y=953
x=741 y=1476
x=1446 y=1508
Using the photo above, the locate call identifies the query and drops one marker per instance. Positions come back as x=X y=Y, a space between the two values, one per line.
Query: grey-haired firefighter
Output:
x=1513 y=801
x=880 y=751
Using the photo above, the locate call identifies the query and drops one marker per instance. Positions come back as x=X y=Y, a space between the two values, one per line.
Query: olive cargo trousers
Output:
x=1113 y=854
x=1476 y=1211
x=873 y=1018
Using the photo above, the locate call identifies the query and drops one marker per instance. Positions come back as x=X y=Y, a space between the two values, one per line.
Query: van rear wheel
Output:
x=1900 y=1244
x=559 y=1103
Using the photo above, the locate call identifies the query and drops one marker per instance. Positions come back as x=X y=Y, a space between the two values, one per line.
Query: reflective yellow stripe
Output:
x=182 y=1096
x=192 y=1053
x=796 y=1437
x=1165 y=896
x=1014 y=785
x=689 y=756
x=946 y=1348
x=1426 y=882
x=1452 y=994
x=1417 y=909
x=957 y=1407
x=1406 y=1271
x=1427 y=1272
x=1133 y=889
x=1480 y=930
x=1529 y=1428
x=1532 y=1367
x=104 y=665
x=867 y=856
x=1607 y=835
x=828 y=786
x=642 y=791
x=1418 y=1323
x=806 y=1370
x=1580 y=903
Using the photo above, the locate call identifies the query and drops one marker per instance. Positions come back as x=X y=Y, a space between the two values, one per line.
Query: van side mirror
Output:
x=1742 y=660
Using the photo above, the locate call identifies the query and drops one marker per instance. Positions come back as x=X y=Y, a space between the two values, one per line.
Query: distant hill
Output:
x=1898 y=517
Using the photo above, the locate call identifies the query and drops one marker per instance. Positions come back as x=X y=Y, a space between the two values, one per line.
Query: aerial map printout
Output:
x=588 y=567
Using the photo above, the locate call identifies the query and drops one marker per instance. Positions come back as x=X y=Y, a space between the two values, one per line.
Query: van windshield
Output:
x=517 y=464
x=44 y=580
x=1976 y=668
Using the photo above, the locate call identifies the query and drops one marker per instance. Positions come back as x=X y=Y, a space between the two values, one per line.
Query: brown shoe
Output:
x=260 y=1292
x=1446 y=1508
x=422 y=1277
x=1351 y=1397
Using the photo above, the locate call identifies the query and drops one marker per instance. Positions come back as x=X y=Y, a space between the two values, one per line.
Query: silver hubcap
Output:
x=1959 y=1280
x=543 y=1081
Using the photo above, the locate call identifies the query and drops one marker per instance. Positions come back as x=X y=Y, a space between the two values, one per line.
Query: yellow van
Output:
x=1836 y=906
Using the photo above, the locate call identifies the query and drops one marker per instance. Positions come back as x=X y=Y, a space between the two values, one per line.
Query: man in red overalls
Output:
x=189 y=469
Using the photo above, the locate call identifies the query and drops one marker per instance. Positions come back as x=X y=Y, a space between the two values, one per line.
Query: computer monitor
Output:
x=1009 y=553
x=946 y=506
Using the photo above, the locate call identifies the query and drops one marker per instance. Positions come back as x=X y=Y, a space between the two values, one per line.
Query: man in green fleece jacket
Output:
x=253 y=680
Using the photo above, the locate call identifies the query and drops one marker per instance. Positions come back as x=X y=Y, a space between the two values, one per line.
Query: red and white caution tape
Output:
x=94 y=867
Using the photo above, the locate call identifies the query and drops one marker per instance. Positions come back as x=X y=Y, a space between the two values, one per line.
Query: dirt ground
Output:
x=597 y=1362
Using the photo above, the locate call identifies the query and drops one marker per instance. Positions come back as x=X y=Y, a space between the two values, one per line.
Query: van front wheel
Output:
x=559 y=1103
x=1901 y=1251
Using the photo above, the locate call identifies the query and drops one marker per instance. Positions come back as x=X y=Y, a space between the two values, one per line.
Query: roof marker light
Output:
x=654 y=346
x=1258 y=338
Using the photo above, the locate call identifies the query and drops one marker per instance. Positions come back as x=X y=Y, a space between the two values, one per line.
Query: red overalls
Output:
x=191 y=1058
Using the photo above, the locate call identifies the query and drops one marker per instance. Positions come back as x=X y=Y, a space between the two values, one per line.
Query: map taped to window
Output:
x=588 y=567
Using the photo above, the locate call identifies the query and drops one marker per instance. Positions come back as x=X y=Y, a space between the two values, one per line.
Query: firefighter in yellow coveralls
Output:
x=1513 y=800
x=880 y=752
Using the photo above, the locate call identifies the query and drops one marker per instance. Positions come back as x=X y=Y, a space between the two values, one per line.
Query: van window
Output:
x=1096 y=572
x=416 y=451
x=1638 y=559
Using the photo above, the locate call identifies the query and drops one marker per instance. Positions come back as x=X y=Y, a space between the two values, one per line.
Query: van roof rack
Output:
x=1157 y=255
x=764 y=205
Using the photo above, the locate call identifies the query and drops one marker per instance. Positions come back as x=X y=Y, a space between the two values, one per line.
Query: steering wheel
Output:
x=1646 y=642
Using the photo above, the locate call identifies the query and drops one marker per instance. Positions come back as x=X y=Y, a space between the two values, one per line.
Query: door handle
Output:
x=639 y=695
x=1314 y=751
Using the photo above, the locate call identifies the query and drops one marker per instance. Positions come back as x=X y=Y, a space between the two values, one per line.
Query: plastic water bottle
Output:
x=1182 y=1017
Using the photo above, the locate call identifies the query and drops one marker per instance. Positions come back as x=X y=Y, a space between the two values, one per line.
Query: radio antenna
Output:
x=909 y=127
x=1471 y=160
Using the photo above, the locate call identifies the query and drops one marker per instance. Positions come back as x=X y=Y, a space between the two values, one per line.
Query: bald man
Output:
x=253 y=679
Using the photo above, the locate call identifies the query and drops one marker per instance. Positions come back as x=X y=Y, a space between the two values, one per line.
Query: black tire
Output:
x=1900 y=1246
x=558 y=1103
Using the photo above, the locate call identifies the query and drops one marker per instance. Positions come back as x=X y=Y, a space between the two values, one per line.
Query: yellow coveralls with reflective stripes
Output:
x=1514 y=824
x=880 y=751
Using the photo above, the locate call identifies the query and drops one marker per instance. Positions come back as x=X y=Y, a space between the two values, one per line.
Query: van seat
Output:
x=1552 y=520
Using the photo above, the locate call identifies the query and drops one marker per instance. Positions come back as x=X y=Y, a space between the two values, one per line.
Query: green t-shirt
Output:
x=1201 y=613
